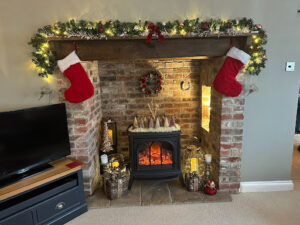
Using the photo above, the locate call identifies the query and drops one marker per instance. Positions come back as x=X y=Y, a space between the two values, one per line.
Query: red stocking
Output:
x=225 y=81
x=81 y=86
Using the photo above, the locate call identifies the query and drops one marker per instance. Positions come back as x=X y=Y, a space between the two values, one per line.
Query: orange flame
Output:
x=157 y=156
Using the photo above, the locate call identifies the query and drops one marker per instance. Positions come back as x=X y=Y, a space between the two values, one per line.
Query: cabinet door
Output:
x=21 y=219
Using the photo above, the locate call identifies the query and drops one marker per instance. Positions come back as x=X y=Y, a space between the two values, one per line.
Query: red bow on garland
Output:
x=154 y=29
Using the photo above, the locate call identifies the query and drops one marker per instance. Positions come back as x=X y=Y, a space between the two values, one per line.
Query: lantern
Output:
x=112 y=132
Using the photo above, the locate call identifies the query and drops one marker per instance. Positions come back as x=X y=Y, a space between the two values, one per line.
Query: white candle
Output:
x=104 y=159
x=208 y=158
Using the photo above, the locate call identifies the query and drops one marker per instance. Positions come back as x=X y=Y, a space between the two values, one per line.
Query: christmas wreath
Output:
x=151 y=83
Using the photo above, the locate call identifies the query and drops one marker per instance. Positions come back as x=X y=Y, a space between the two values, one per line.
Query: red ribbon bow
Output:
x=154 y=29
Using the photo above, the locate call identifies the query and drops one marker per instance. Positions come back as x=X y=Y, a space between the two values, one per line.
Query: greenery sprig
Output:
x=46 y=63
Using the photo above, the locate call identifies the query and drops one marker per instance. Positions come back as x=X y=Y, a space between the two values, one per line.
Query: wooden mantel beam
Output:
x=137 y=49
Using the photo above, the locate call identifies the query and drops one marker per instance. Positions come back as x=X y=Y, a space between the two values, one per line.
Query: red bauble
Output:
x=100 y=27
x=205 y=26
x=210 y=191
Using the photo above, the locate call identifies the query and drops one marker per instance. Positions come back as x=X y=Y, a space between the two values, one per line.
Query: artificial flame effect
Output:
x=158 y=156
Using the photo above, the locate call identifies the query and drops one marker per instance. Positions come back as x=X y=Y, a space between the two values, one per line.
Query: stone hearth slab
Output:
x=155 y=193
x=133 y=198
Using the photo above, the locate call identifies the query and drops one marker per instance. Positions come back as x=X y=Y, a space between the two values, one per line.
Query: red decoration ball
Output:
x=205 y=26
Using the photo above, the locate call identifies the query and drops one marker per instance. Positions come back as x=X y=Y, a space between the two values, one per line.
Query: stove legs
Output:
x=181 y=179
x=130 y=182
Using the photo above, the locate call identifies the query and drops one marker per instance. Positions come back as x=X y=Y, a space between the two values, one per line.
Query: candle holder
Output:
x=207 y=162
x=207 y=171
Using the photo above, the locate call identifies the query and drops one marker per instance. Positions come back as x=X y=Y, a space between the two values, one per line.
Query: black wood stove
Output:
x=154 y=156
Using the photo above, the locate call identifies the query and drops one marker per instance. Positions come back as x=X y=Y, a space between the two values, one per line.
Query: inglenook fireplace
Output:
x=154 y=156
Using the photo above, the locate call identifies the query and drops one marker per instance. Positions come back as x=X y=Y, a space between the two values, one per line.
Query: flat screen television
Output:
x=30 y=139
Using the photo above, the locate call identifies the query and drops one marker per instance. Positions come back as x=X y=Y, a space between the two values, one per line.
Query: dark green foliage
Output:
x=46 y=63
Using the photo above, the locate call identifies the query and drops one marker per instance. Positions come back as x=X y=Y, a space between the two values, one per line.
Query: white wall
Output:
x=270 y=113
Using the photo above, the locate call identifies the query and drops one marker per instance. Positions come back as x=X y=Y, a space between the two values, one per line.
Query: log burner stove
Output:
x=154 y=156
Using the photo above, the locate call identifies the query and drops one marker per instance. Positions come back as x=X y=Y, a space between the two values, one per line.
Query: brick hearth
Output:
x=118 y=95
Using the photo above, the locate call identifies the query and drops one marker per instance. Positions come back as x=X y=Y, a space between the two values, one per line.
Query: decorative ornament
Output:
x=205 y=25
x=146 y=121
x=141 y=124
x=210 y=188
x=225 y=81
x=153 y=108
x=135 y=123
x=81 y=87
x=154 y=29
x=100 y=27
x=193 y=181
x=166 y=123
x=162 y=122
x=157 y=123
x=185 y=87
x=106 y=144
x=151 y=123
x=172 y=121
x=151 y=83
x=208 y=159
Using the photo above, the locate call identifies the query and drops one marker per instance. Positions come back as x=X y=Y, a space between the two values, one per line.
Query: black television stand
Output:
x=21 y=176
x=54 y=196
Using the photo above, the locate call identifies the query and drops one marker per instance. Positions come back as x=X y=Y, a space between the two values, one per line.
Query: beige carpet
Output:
x=246 y=209
x=272 y=208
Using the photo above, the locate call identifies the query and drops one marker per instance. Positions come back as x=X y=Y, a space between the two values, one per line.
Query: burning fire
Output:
x=157 y=157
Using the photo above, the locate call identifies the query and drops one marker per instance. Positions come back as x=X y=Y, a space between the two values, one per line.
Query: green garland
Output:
x=46 y=63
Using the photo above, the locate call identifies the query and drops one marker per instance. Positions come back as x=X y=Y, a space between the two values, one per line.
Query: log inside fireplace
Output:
x=154 y=156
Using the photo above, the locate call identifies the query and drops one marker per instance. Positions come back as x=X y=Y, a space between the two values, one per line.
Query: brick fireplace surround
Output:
x=118 y=95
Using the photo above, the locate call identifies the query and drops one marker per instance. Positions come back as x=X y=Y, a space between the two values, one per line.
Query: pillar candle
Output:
x=194 y=164
x=208 y=158
x=104 y=159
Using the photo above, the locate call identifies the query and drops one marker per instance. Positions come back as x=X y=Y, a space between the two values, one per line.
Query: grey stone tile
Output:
x=98 y=200
x=181 y=195
x=133 y=198
x=155 y=193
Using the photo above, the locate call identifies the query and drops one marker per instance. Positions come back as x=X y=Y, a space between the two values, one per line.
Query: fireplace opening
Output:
x=156 y=153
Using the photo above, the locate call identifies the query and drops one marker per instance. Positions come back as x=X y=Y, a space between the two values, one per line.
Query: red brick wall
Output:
x=83 y=123
x=224 y=140
x=122 y=98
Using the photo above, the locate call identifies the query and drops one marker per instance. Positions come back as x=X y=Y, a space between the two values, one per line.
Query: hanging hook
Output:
x=74 y=46
x=232 y=42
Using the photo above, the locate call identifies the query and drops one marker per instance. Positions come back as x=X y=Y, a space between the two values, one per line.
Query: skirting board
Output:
x=266 y=186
